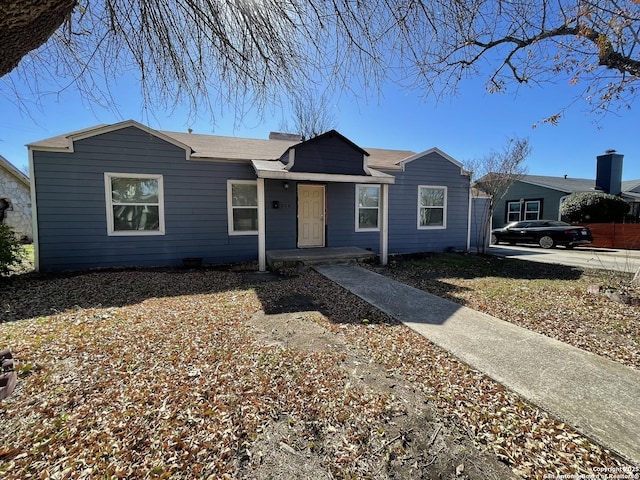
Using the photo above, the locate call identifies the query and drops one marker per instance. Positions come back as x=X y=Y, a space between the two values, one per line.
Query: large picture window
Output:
x=135 y=204
x=367 y=208
x=242 y=207
x=432 y=207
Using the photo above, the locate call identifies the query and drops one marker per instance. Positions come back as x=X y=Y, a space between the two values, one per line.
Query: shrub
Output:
x=594 y=207
x=11 y=251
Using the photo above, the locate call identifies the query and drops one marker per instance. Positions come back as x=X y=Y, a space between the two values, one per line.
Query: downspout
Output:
x=34 y=212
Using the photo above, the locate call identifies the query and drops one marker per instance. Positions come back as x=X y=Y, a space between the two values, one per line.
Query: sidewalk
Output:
x=597 y=396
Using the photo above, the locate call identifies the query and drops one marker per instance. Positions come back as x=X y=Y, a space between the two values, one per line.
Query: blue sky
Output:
x=466 y=126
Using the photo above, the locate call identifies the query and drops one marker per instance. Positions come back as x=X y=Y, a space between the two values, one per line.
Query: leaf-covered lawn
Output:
x=169 y=387
x=549 y=299
x=157 y=374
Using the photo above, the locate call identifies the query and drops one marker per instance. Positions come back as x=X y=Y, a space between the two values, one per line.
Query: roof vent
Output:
x=291 y=137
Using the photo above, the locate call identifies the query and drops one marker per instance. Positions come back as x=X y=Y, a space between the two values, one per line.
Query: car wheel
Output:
x=494 y=240
x=546 y=242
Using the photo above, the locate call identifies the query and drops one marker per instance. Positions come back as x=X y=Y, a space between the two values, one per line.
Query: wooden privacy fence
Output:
x=615 y=235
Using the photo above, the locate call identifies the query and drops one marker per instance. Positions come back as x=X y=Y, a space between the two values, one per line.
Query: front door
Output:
x=310 y=216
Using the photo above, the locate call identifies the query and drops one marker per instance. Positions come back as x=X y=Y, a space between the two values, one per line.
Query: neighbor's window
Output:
x=532 y=210
x=432 y=207
x=513 y=212
x=242 y=207
x=523 y=210
x=135 y=204
x=367 y=207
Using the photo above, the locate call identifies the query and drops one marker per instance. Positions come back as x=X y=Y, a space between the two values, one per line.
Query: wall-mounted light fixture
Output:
x=286 y=185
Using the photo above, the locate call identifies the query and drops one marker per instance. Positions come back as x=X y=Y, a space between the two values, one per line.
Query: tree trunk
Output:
x=26 y=25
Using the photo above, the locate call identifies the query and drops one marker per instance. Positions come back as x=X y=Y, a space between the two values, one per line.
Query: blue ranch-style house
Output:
x=128 y=195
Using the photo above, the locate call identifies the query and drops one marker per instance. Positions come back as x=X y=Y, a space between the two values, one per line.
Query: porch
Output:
x=277 y=259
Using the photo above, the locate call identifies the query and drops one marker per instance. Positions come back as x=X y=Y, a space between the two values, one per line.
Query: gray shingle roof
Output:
x=572 y=185
x=568 y=185
x=212 y=147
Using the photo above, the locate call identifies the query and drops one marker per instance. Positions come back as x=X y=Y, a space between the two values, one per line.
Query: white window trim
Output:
x=522 y=212
x=444 y=209
x=109 y=205
x=230 y=207
x=357 y=210
x=519 y=212
x=537 y=212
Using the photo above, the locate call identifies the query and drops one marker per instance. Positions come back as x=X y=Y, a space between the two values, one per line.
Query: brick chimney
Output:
x=609 y=172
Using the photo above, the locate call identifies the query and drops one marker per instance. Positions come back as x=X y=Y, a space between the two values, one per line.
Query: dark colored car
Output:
x=546 y=233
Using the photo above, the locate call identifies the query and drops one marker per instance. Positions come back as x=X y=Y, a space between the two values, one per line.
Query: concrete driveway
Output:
x=600 y=258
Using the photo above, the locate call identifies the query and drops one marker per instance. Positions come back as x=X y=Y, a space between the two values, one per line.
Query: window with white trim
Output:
x=135 y=204
x=367 y=208
x=518 y=210
x=432 y=207
x=242 y=207
x=513 y=212
x=532 y=210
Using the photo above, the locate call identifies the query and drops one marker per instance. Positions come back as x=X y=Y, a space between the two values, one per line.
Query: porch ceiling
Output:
x=274 y=169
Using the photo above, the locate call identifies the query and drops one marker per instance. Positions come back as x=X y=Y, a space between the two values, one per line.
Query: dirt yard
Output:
x=228 y=373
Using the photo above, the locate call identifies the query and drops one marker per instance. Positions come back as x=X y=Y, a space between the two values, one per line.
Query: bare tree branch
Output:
x=494 y=173
x=251 y=52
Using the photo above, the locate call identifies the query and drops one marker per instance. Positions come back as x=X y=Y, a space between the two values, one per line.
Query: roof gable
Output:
x=7 y=166
x=435 y=150
x=329 y=153
x=329 y=135
x=65 y=143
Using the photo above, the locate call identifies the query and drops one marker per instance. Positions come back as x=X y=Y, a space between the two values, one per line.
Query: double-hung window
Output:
x=432 y=207
x=532 y=210
x=242 y=207
x=367 y=208
x=513 y=212
x=518 y=210
x=135 y=204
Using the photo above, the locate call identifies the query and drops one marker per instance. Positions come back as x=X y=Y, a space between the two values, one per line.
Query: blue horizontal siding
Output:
x=404 y=235
x=73 y=221
x=72 y=212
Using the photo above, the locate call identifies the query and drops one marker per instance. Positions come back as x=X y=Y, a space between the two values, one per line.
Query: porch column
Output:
x=262 y=254
x=384 y=220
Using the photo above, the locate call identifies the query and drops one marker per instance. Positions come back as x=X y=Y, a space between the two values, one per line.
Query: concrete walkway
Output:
x=599 y=397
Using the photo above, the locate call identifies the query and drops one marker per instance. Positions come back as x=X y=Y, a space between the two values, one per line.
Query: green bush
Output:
x=11 y=251
x=594 y=207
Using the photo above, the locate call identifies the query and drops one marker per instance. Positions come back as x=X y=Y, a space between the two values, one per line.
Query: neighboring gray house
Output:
x=535 y=197
x=15 y=200
x=126 y=194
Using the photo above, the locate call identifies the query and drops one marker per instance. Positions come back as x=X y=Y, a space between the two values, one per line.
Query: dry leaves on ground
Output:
x=519 y=433
x=157 y=374
x=170 y=387
x=549 y=299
